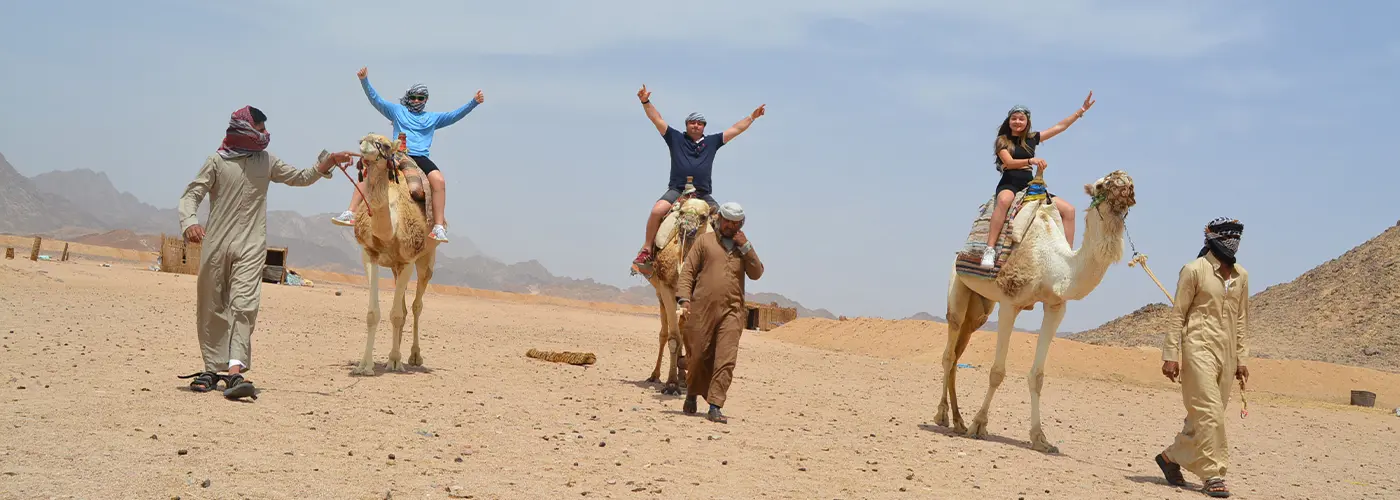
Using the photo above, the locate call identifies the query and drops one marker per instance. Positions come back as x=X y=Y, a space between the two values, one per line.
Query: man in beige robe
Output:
x=234 y=246
x=714 y=274
x=1212 y=298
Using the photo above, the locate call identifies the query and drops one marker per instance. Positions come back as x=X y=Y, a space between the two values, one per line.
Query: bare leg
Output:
x=658 y=212
x=439 y=186
x=366 y=366
x=425 y=274
x=355 y=198
x=1004 y=198
x=1051 y=322
x=1006 y=320
x=397 y=313
x=1067 y=218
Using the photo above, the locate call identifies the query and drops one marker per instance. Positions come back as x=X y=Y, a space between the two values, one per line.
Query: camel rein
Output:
x=360 y=165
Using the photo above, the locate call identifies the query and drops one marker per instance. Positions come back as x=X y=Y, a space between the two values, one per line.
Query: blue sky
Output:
x=860 y=182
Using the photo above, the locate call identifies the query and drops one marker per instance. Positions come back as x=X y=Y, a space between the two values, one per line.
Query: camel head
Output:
x=377 y=151
x=695 y=212
x=1114 y=191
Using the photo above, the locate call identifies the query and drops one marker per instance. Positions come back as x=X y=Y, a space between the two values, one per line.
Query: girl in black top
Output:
x=1015 y=154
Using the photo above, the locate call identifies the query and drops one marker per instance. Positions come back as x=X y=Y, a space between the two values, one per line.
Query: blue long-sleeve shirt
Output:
x=417 y=128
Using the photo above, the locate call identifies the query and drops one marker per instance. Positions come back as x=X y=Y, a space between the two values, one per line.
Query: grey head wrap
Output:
x=416 y=89
x=695 y=117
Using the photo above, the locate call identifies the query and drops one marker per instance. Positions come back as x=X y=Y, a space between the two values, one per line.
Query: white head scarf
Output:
x=732 y=211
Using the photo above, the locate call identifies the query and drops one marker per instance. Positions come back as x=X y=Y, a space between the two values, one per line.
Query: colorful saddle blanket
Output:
x=969 y=260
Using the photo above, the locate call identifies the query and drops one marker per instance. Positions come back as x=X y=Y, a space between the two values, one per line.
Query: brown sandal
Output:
x=1215 y=487
x=1170 y=471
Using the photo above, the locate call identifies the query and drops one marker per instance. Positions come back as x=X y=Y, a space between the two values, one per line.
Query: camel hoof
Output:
x=1045 y=448
x=363 y=370
x=396 y=366
x=654 y=379
x=671 y=390
x=415 y=360
x=959 y=427
x=978 y=430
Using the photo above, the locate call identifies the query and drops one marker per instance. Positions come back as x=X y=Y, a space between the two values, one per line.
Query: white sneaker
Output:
x=989 y=257
x=346 y=218
x=440 y=233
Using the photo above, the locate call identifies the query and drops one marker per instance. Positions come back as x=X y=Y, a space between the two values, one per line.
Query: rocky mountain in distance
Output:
x=83 y=205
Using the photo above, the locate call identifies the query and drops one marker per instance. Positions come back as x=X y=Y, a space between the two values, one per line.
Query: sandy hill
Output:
x=1344 y=311
x=83 y=206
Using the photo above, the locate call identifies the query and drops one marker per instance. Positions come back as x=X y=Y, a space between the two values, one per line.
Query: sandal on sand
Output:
x=1171 y=471
x=716 y=416
x=1215 y=487
x=238 y=387
x=203 y=381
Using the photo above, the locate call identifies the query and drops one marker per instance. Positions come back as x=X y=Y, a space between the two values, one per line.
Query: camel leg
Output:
x=673 y=336
x=397 y=314
x=1051 y=323
x=957 y=308
x=366 y=366
x=1006 y=320
x=660 y=349
x=425 y=274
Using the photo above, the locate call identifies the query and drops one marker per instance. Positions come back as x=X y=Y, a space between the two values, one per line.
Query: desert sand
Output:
x=92 y=409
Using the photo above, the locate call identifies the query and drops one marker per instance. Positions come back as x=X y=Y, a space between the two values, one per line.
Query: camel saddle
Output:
x=969 y=260
x=408 y=170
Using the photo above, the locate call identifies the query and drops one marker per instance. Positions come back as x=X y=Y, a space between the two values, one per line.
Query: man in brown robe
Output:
x=1212 y=299
x=714 y=274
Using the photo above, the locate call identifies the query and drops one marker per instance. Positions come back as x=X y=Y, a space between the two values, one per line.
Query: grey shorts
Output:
x=672 y=195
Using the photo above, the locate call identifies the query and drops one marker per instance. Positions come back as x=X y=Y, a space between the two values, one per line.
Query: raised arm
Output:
x=739 y=128
x=1185 y=294
x=1046 y=134
x=453 y=116
x=652 y=114
x=194 y=194
x=385 y=107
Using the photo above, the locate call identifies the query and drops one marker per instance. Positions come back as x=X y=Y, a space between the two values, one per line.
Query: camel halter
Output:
x=360 y=165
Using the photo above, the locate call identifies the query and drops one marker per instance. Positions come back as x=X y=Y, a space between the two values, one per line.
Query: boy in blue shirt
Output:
x=418 y=126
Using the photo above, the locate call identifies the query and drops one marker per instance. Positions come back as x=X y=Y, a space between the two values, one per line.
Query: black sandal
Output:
x=238 y=387
x=1171 y=471
x=1215 y=487
x=716 y=416
x=203 y=381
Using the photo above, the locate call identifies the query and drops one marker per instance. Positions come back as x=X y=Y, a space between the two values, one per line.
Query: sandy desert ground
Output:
x=91 y=408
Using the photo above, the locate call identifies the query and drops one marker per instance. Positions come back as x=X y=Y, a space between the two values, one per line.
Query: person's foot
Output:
x=989 y=257
x=690 y=405
x=238 y=387
x=642 y=264
x=203 y=381
x=346 y=218
x=440 y=233
x=1170 y=471
x=716 y=416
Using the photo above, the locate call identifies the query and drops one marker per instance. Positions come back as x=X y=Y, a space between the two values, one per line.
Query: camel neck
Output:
x=1103 y=245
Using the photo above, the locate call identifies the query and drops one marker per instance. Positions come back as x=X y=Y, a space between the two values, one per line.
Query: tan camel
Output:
x=392 y=230
x=1042 y=268
x=688 y=220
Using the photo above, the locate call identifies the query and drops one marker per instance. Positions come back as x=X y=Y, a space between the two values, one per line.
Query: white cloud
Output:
x=557 y=27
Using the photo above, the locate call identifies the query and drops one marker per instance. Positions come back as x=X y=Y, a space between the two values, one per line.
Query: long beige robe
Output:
x=1209 y=346
x=713 y=281
x=234 y=248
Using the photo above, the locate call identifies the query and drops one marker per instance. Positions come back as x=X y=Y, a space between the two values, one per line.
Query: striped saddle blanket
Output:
x=969 y=260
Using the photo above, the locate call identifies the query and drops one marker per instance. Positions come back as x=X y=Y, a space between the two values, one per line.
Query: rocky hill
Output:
x=84 y=206
x=1344 y=311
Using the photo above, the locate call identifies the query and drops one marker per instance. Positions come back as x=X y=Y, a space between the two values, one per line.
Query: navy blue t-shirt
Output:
x=691 y=158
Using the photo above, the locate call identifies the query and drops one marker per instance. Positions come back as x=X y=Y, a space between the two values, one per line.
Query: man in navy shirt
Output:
x=692 y=155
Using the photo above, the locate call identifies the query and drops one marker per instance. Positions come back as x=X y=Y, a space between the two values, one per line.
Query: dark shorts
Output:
x=672 y=195
x=1015 y=181
x=425 y=164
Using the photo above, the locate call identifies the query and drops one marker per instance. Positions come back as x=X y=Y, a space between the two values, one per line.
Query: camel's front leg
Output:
x=1006 y=320
x=1048 y=327
x=397 y=314
x=661 y=348
x=425 y=274
x=366 y=366
x=673 y=335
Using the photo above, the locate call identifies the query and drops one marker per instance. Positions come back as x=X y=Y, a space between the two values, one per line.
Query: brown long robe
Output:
x=1210 y=345
x=713 y=281
x=234 y=249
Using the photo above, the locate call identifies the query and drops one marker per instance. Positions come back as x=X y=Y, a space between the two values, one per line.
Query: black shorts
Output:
x=424 y=164
x=1015 y=181
x=672 y=195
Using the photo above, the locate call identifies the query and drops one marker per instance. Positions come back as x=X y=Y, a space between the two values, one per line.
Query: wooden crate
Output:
x=178 y=255
x=275 y=265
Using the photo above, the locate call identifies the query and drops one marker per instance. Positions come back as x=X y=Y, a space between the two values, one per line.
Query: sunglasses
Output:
x=417 y=98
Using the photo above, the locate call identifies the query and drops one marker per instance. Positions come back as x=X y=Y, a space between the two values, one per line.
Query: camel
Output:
x=686 y=222
x=392 y=230
x=1040 y=267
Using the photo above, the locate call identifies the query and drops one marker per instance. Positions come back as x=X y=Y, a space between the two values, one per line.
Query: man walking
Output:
x=692 y=155
x=235 y=244
x=1212 y=298
x=714 y=275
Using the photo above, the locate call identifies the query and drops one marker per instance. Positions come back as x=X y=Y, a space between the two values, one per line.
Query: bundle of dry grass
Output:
x=573 y=358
